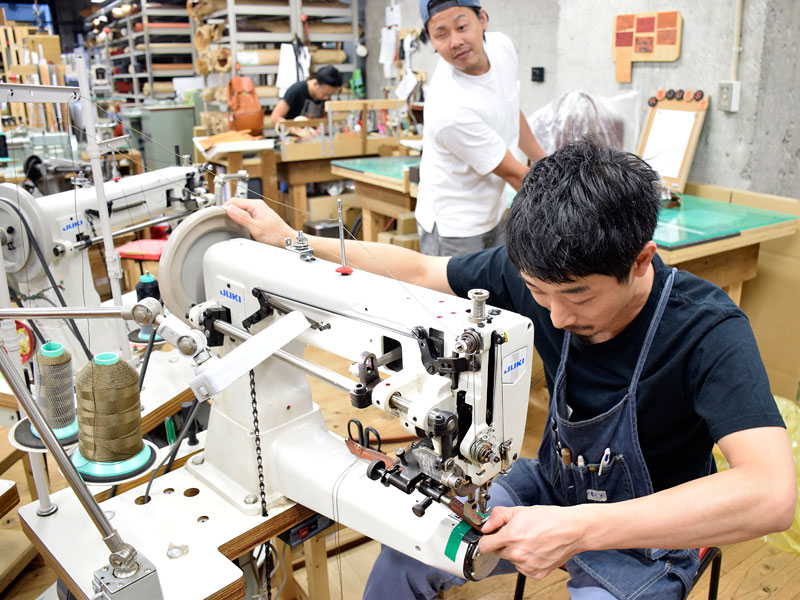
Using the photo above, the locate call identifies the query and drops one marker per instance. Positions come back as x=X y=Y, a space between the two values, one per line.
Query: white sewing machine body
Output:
x=61 y=221
x=216 y=501
x=357 y=314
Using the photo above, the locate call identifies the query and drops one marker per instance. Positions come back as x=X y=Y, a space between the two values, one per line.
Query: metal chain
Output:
x=261 y=487
x=257 y=437
x=268 y=563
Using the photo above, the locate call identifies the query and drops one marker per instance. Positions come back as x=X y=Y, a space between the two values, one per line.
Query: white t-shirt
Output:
x=470 y=122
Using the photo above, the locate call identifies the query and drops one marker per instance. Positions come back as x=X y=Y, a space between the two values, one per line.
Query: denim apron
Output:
x=600 y=460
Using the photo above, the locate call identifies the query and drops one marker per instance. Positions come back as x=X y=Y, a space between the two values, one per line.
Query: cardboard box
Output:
x=407 y=240
x=385 y=237
x=324 y=207
x=406 y=223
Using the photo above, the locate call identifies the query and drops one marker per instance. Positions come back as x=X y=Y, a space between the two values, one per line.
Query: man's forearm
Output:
x=511 y=170
x=399 y=263
x=388 y=260
x=279 y=112
x=731 y=506
x=528 y=142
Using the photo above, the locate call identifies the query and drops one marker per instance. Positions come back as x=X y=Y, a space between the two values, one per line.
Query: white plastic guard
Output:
x=215 y=374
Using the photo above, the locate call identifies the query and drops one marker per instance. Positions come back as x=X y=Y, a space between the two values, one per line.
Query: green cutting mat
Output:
x=386 y=166
x=699 y=220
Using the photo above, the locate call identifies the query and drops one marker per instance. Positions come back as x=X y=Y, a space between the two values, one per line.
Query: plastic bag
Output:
x=789 y=540
x=577 y=114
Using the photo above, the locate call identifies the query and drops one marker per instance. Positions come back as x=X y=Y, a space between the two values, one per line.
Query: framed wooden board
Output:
x=670 y=137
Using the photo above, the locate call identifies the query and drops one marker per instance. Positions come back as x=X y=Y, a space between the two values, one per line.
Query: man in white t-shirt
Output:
x=472 y=121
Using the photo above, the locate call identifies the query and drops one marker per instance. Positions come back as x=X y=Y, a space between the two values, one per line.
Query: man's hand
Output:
x=261 y=221
x=536 y=539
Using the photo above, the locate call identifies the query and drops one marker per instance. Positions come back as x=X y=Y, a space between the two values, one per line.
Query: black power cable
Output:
x=18 y=301
x=49 y=274
x=174 y=450
x=146 y=359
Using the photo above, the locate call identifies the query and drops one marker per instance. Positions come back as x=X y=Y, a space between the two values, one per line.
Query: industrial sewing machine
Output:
x=51 y=234
x=454 y=371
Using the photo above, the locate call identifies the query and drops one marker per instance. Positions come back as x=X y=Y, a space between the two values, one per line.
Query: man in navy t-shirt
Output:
x=647 y=369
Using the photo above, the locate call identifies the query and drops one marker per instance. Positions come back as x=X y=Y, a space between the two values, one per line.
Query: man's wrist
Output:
x=592 y=527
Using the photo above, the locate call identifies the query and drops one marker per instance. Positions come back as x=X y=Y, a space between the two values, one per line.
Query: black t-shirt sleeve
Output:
x=296 y=96
x=728 y=380
x=492 y=271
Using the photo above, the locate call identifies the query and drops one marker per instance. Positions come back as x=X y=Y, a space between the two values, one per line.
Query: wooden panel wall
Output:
x=771 y=300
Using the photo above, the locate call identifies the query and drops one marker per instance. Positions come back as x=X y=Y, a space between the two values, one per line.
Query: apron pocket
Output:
x=614 y=484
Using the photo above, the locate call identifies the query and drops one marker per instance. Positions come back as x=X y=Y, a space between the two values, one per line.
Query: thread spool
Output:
x=54 y=389
x=110 y=445
x=54 y=396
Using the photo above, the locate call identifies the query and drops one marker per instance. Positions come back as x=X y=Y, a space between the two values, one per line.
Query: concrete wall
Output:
x=775 y=160
x=756 y=148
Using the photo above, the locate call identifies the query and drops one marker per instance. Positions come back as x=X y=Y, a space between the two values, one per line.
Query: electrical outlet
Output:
x=730 y=93
x=537 y=74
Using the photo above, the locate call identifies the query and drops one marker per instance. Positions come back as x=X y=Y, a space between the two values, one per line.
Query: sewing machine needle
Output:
x=344 y=269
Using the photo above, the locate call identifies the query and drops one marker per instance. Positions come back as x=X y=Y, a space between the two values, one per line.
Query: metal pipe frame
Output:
x=20 y=92
x=58 y=312
x=137 y=227
x=332 y=378
x=325 y=375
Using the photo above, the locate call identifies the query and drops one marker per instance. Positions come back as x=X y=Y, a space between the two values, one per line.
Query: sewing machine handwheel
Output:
x=21 y=262
x=181 y=266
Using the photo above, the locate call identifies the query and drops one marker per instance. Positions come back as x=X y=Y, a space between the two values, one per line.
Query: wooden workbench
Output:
x=296 y=174
x=718 y=241
x=383 y=189
x=231 y=156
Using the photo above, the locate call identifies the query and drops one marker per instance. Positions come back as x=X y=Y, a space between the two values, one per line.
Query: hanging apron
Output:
x=600 y=460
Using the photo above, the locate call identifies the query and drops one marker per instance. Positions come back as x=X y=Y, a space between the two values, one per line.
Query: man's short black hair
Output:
x=585 y=210
x=329 y=76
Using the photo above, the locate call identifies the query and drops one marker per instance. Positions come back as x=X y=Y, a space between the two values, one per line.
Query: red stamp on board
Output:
x=625 y=22
x=646 y=25
x=667 y=20
x=667 y=37
x=624 y=39
x=644 y=45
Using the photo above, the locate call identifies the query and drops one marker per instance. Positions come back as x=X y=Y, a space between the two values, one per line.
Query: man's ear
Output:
x=484 y=19
x=644 y=259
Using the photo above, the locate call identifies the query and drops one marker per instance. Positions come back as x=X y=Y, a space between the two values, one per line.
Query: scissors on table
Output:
x=365 y=436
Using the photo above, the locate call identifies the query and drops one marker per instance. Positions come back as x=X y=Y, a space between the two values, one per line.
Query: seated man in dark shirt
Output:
x=306 y=98
x=647 y=368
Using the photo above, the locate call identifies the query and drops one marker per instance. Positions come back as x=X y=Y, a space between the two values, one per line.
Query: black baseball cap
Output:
x=427 y=11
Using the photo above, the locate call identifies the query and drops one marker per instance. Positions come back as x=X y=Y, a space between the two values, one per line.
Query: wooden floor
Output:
x=750 y=570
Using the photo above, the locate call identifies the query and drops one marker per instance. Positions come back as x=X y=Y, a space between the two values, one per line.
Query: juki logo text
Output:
x=231 y=295
x=513 y=367
x=72 y=225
